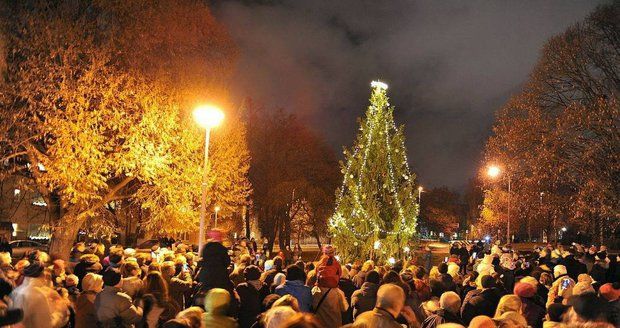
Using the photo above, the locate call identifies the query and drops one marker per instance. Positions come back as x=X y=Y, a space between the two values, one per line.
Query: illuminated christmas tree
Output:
x=375 y=207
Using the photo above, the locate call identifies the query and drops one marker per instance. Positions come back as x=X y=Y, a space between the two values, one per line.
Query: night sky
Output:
x=449 y=65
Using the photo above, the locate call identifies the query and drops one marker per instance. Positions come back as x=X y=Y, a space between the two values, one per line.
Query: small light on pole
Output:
x=208 y=117
x=217 y=210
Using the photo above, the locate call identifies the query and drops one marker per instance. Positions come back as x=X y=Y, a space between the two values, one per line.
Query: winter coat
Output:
x=533 y=312
x=376 y=318
x=115 y=309
x=364 y=299
x=347 y=287
x=132 y=286
x=178 y=287
x=301 y=292
x=42 y=305
x=328 y=272
x=556 y=289
x=85 y=313
x=480 y=302
x=329 y=311
x=359 y=279
x=214 y=267
x=250 y=300
x=442 y=316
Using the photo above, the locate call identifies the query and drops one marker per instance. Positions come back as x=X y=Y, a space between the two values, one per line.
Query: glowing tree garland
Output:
x=375 y=208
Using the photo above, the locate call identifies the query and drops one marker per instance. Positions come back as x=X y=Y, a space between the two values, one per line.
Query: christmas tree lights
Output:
x=375 y=204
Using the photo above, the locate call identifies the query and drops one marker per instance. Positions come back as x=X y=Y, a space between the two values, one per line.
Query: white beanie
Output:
x=268 y=265
x=559 y=270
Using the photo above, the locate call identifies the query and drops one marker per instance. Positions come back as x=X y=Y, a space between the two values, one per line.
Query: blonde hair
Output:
x=508 y=303
x=434 y=274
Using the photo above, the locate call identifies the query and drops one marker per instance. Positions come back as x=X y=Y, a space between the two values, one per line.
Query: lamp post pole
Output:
x=508 y=216
x=203 y=201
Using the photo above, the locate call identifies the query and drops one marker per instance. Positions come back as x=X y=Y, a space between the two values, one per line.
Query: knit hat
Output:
x=609 y=293
x=582 y=288
x=111 y=277
x=329 y=250
x=525 y=290
x=214 y=235
x=556 y=311
x=584 y=277
x=559 y=270
x=92 y=282
x=71 y=280
x=268 y=265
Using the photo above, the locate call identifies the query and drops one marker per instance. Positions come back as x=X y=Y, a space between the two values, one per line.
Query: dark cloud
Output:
x=449 y=64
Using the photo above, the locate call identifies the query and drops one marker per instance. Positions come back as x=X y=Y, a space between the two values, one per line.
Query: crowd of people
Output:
x=479 y=285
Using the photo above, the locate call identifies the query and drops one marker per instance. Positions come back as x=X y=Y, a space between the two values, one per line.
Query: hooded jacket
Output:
x=364 y=299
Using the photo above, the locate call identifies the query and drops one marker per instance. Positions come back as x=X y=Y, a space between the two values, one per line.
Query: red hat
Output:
x=523 y=289
x=214 y=235
x=608 y=292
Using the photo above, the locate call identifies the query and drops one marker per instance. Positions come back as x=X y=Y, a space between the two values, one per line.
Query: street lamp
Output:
x=217 y=210
x=420 y=189
x=494 y=171
x=208 y=117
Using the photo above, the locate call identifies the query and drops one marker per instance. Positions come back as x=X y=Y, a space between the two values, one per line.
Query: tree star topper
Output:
x=379 y=84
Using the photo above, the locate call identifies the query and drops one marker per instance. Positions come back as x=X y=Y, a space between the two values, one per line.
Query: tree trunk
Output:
x=318 y=240
x=63 y=238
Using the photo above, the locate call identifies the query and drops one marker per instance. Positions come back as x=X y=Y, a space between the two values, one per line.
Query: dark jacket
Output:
x=533 y=312
x=574 y=267
x=214 y=267
x=364 y=299
x=250 y=300
x=442 y=316
x=376 y=318
x=480 y=302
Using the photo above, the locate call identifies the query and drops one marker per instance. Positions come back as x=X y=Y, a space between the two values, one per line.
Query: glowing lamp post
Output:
x=493 y=172
x=208 y=117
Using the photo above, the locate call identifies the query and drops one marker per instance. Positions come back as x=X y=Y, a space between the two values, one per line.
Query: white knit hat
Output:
x=559 y=270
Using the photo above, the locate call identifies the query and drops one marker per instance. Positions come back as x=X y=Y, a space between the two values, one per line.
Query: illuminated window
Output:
x=38 y=201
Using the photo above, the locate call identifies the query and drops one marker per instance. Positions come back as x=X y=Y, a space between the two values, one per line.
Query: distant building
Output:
x=28 y=214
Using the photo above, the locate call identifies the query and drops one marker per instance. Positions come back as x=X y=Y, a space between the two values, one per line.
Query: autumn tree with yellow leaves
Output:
x=100 y=93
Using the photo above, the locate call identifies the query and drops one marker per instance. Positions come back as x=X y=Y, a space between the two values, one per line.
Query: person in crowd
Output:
x=611 y=293
x=251 y=295
x=554 y=316
x=508 y=303
x=213 y=266
x=294 y=285
x=533 y=310
x=158 y=306
x=178 y=284
x=347 y=287
x=364 y=299
x=328 y=302
x=390 y=305
x=482 y=321
x=588 y=308
x=277 y=266
x=443 y=282
x=132 y=284
x=562 y=286
x=42 y=306
x=76 y=254
x=481 y=301
x=237 y=275
x=113 y=307
x=278 y=280
x=287 y=300
x=449 y=311
x=85 y=313
x=217 y=303
x=88 y=263
x=360 y=277
x=277 y=316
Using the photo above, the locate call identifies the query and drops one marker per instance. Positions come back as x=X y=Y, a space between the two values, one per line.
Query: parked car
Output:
x=22 y=247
